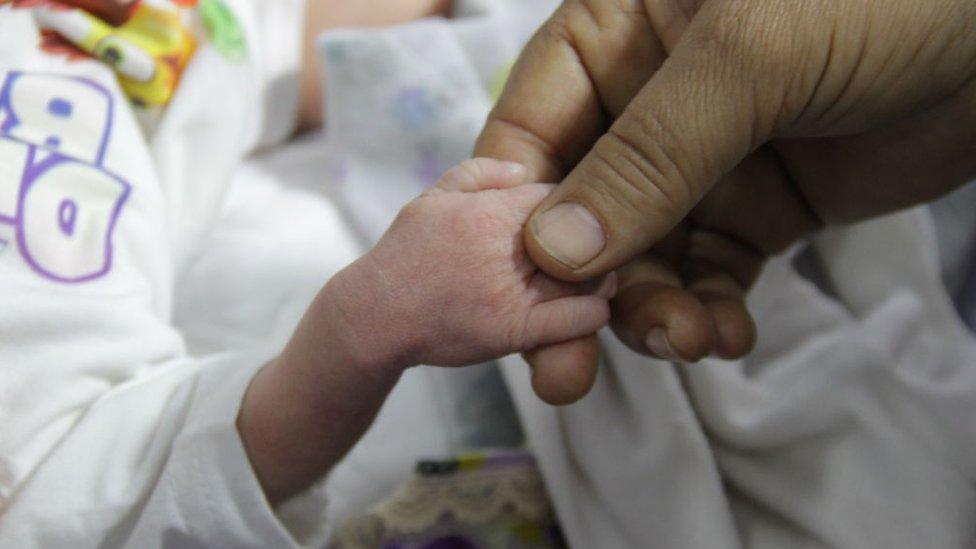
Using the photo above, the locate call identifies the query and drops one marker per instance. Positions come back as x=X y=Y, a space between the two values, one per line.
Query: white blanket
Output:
x=851 y=425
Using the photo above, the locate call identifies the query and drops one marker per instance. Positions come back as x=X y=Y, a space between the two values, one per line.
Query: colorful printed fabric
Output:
x=148 y=44
x=475 y=501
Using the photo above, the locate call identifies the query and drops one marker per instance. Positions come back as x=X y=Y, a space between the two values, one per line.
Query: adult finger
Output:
x=576 y=75
x=652 y=314
x=699 y=115
x=563 y=373
x=754 y=212
x=549 y=115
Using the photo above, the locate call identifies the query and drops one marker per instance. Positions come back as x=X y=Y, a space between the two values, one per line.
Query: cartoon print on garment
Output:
x=58 y=205
x=224 y=31
x=148 y=45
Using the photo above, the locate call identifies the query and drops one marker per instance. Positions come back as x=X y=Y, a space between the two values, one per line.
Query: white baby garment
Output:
x=111 y=434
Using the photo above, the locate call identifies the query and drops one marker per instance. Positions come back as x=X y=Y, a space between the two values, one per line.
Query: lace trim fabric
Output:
x=467 y=500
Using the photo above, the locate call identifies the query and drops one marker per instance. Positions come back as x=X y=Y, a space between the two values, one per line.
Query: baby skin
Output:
x=449 y=284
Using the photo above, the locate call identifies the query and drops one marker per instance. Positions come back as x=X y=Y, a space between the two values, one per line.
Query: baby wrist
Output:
x=363 y=321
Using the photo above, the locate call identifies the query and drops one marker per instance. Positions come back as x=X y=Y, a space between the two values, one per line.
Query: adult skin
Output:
x=695 y=138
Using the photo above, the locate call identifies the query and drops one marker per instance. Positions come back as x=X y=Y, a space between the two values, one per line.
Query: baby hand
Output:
x=450 y=282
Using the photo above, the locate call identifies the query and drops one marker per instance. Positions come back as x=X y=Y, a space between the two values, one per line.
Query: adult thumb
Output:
x=695 y=119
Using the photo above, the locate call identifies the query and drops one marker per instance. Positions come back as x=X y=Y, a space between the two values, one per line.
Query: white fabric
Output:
x=849 y=426
x=955 y=227
x=111 y=434
x=223 y=110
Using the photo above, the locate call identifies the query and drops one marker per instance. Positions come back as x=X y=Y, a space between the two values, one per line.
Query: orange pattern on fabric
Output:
x=148 y=46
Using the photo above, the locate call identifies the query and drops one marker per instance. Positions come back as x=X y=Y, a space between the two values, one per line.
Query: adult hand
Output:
x=694 y=138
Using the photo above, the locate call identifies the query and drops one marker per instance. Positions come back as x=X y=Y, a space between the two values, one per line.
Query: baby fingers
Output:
x=547 y=288
x=479 y=174
x=565 y=319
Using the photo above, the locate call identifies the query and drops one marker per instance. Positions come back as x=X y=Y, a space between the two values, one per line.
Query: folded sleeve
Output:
x=208 y=460
x=154 y=462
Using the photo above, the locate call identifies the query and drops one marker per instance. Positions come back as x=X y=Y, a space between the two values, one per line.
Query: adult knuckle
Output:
x=601 y=13
x=557 y=30
x=641 y=174
x=762 y=49
x=576 y=20
x=754 y=35
x=732 y=28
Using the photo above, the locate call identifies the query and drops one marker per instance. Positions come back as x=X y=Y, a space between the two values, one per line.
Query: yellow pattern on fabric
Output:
x=161 y=34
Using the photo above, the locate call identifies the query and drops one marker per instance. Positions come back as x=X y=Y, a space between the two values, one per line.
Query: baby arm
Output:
x=449 y=284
